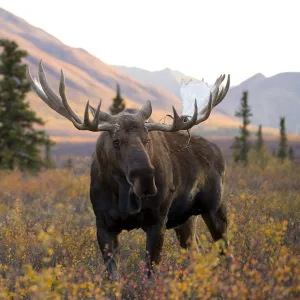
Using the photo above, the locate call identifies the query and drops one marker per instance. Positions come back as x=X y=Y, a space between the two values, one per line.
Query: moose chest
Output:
x=121 y=209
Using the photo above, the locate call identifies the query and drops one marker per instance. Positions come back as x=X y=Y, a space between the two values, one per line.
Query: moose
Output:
x=145 y=175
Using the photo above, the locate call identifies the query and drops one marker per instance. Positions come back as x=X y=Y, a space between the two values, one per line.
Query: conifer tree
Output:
x=68 y=164
x=291 y=153
x=260 y=141
x=49 y=163
x=19 y=141
x=118 y=103
x=241 y=144
x=283 y=143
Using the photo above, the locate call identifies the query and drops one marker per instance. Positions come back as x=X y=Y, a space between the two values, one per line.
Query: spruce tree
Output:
x=283 y=143
x=68 y=164
x=49 y=163
x=19 y=141
x=118 y=103
x=260 y=141
x=236 y=146
x=241 y=144
x=291 y=153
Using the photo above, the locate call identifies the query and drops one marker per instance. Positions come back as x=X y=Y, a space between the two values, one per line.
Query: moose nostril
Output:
x=134 y=173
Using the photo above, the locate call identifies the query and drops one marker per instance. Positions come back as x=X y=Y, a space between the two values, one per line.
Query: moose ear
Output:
x=146 y=111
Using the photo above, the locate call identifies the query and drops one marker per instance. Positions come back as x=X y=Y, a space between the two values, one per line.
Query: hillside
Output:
x=269 y=98
x=87 y=77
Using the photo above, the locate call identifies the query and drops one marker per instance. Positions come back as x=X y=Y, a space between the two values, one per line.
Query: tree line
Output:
x=242 y=144
x=21 y=144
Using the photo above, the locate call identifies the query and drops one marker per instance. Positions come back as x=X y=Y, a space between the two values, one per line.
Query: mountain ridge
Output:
x=269 y=97
x=87 y=77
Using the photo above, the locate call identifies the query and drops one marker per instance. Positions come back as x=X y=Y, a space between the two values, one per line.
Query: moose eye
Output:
x=116 y=142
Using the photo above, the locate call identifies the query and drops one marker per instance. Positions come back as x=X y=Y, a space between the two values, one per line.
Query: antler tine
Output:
x=94 y=124
x=96 y=115
x=61 y=105
x=223 y=91
x=103 y=116
x=86 y=118
x=208 y=110
x=55 y=103
x=87 y=124
x=93 y=110
x=175 y=119
x=62 y=92
x=193 y=121
x=220 y=95
x=219 y=80
x=36 y=87
x=177 y=124
x=51 y=95
x=100 y=116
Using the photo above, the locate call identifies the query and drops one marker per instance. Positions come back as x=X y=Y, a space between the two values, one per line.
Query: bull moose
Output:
x=145 y=174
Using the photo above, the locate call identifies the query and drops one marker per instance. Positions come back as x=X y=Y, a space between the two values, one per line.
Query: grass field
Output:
x=48 y=247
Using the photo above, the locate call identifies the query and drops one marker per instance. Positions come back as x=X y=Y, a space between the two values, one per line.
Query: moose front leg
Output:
x=109 y=246
x=154 y=244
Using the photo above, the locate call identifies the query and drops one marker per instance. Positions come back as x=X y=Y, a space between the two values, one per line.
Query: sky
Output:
x=202 y=39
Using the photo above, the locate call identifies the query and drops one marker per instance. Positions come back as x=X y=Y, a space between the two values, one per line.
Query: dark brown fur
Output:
x=173 y=183
x=144 y=178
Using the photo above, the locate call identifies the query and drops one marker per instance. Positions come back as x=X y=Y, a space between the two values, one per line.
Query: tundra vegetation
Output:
x=49 y=247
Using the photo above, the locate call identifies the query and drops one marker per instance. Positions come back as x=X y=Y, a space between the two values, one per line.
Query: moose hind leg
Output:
x=186 y=232
x=109 y=246
x=217 y=223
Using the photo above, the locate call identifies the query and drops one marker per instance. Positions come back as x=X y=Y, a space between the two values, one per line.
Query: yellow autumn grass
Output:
x=49 y=248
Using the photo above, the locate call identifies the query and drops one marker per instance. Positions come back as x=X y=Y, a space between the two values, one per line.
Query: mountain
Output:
x=166 y=79
x=87 y=77
x=270 y=98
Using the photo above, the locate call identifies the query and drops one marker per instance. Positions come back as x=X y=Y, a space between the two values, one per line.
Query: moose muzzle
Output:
x=143 y=182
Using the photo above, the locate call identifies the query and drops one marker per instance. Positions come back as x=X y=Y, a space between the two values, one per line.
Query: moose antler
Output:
x=179 y=123
x=221 y=93
x=105 y=122
x=101 y=121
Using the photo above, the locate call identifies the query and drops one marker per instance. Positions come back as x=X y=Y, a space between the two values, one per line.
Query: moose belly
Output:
x=122 y=216
x=117 y=222
x=180 y=210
